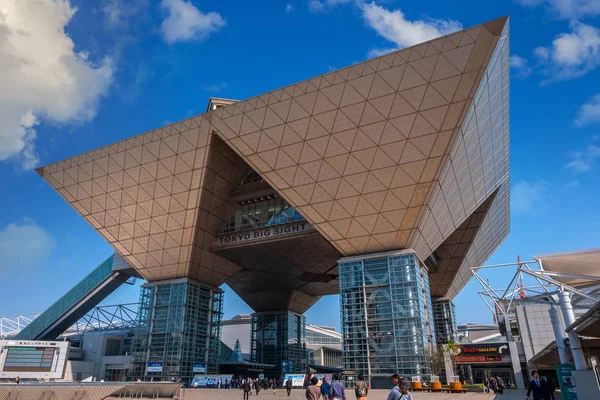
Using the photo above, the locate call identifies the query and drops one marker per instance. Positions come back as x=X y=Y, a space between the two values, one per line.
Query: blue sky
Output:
x=76 y=76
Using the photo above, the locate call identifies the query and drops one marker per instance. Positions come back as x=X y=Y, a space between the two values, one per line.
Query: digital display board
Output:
x=29 y=359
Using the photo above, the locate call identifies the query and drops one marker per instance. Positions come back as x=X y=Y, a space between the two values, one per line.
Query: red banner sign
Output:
x=472 y=359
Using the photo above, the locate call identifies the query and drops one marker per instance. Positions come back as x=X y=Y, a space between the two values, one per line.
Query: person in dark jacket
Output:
x=548 y=388
x=247 y=388
x=535 y=387
x=288 y=386
x=257 y=386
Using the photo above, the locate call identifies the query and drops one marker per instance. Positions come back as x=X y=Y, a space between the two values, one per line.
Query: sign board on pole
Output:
x=297 y=379
x=154 y=367
x=209 y=380
x=320 y=378
x=568 y=386
x=199 y=368
x=261 y=376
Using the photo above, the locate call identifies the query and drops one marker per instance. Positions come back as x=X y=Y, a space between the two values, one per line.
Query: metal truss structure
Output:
x=11 y=325
x=112 y=317
x=549 y=285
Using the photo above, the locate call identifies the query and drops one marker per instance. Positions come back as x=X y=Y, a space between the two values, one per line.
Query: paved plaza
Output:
x=298 y=394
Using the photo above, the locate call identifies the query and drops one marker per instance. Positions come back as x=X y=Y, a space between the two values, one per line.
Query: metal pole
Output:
x=559 y=335
x=569 y=317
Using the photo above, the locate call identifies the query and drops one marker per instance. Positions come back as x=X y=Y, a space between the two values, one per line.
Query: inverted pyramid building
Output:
x=407 y=150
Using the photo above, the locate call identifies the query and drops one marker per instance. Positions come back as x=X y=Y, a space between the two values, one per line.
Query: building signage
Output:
x=154 y=367
x=288 y=366
x=349 y=372
x=567 y=383
x=199 y=367
x=500 y=348
x=476 y=359
x=269 y=232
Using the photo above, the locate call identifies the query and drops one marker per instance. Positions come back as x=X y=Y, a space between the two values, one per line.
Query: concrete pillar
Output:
x=509 y=335
x=569 y=317
x=559 y=335
x=516 y=364
x=470 y=374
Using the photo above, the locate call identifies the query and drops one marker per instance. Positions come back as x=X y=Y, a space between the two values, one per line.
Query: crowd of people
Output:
x=494 y=385
x=336 y=391
x=333 y=390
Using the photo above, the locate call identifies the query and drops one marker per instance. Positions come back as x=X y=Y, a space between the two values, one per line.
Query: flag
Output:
x=521 y=286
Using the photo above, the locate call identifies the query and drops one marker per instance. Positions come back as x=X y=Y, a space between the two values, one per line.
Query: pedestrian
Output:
x=548 y=388
x=395 y=392
x=493 y=384
x=500 y=385
x=288 y=386
x=535 y=386
x=486 y=384
x=246 y=388
x=404 y=393
x=361 y=390
x=274 y=385
x=313 y=392
x=326 y=389
x=219 y=384
x=257 y=386
x=17 y=380
x=337 y=389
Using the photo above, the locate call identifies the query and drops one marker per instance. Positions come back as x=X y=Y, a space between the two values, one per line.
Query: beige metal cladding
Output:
x=395 y=152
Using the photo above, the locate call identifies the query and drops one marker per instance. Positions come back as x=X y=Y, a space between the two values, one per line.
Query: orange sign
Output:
x=484 y=359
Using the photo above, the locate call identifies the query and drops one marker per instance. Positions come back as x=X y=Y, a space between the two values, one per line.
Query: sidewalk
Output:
x=298 y=394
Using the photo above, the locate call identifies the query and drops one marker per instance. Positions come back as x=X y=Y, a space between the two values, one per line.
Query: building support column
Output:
x=559 y=335
x=470 y=374
x=179 y=324
x=569 y=317
x=516 y=365
x=279 y=339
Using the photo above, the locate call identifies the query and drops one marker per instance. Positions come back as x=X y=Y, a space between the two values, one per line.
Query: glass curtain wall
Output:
x=279 y=339
x=387 y=321
x=179 y=325
x=444 y=318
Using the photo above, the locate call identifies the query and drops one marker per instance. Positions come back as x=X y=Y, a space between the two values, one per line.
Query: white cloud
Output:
x=25 y=244
x=394 y=26
x=289 y=9
x=567 y=9
x=217 y=87
x=373 y=53
x=571 y=54
x=589 y=112
x=119 y=12
x=319 y=6
x=42 y=78
x=186 y=23
x=521 y=66
x=527 y=196
x=584 y=160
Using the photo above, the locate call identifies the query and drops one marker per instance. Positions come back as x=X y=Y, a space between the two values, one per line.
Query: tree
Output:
x=436 y=361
